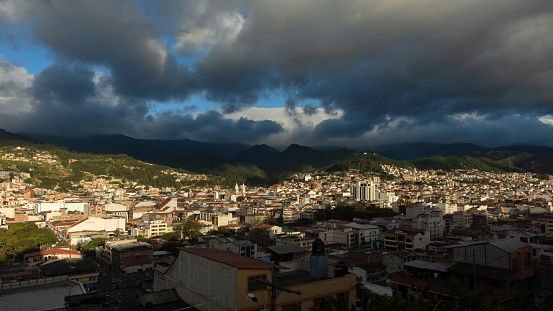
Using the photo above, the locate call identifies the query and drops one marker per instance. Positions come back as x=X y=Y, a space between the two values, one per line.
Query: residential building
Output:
x=230 y=244
x=374 y=272
x=214 y=280
x=264 y=235
x=364 y=191
x=431 y=221
x=406 y=239
x=496 y=269
x=130 y=256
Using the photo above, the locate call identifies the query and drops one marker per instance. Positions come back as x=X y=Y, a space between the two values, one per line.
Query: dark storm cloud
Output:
x=210 y=126
x=375 y=61
x=309 y=110
x=114 y=34
x=379 y=60
x=64 y=83
x=64 y=99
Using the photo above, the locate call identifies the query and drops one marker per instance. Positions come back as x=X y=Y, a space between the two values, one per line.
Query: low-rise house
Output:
x=373 y=272
x=264 y=235
x=299 y=239
x=230 y=244
x=395 y=261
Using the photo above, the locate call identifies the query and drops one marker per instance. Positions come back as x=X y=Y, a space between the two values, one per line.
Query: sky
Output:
x=313 y=72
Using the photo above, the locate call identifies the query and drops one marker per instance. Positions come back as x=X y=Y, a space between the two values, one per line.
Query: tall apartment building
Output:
x=364 y=191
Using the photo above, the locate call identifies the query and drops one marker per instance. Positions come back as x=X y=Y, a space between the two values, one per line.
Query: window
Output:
x=254 y=284
x=321 y=302
x=342 y=298
x=527 y=261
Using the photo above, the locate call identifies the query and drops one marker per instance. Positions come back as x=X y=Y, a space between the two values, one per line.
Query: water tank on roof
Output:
x=340 y=269
x=318 y=247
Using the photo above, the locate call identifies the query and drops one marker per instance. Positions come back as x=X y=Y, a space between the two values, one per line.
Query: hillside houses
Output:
x=432 y=220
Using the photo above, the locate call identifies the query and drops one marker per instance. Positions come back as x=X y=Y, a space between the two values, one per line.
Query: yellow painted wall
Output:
x=244 y=303
x=309 y=292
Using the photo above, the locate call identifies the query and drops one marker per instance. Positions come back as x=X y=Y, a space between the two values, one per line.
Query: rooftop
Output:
x=372 y=266
x=67 y=266
x=53 y=251
x=48 y=296
x=298 y=277
x=430 y=265
x=286 y=249
x=229 y=258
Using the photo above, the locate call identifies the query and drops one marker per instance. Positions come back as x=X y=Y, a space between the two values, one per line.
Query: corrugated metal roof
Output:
x=509 y=245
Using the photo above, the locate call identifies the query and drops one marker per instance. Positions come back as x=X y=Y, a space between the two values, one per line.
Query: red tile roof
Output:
x=169 y=261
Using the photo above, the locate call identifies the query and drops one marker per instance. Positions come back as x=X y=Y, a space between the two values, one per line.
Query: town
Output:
x=454 y=238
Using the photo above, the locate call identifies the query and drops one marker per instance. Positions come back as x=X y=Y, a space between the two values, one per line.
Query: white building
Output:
x=447 y=208
x=364 y=191
x=431 y=221
x=366 y=234
x=56 y=206
x=96 y=226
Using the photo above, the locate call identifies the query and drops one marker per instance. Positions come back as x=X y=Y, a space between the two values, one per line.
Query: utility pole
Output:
x=275 y=289
x=474 y=266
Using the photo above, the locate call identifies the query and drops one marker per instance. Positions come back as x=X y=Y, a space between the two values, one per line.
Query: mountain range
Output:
x=211 y=157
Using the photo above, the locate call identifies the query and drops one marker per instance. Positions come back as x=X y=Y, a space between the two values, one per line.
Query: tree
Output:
x=191 y=229
x=223 y=230
x=171 y=247
x=303 y=222
x=24 y=238
x=170 y=236
x=94 y=243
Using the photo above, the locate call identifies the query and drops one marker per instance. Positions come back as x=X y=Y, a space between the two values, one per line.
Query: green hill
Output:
x=492 y=161
x=366 y=163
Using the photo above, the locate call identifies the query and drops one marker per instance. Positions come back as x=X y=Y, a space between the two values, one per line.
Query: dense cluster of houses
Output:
x=475 y=231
